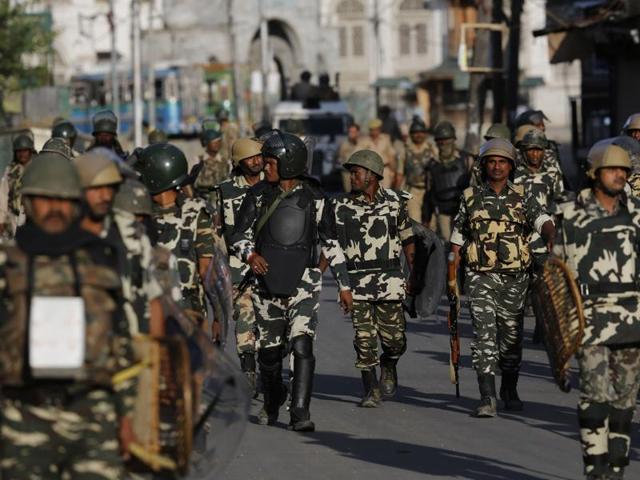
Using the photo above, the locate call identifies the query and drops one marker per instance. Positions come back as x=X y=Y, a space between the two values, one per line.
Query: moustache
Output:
x=54 y=215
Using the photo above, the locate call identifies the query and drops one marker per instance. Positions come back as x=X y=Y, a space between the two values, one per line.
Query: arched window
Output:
x=351 y=28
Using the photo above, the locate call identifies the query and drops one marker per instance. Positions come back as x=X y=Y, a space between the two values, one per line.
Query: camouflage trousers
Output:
x=78 y=441
x=281 y=319
x=245 y=322
x=496 y=301
x=378 y=319
x=608 y=391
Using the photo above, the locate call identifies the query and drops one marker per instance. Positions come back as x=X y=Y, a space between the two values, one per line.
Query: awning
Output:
x=402 y=83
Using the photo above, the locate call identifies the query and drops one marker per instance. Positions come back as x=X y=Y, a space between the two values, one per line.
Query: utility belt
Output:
x=390 y=264
x=604 y=288
x=49 y=394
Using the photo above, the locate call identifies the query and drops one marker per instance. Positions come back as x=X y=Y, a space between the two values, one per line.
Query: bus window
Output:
x=171 y=88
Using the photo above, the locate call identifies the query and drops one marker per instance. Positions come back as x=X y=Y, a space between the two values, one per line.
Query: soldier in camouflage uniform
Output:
x=54 y=425
x=183 y=225
x=412 y=167
x=600 y=237
x=281 y=224
x=100 y=178
x=105 y=133
x=536 y=119
x=247 y=161
x=493 y=226
x=214 y=167
x=65 y=130
x=23 y=151
x=631 y=129
x=229 y=131
x=373 y=228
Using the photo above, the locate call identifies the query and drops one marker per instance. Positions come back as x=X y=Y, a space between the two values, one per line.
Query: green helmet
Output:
x=289 y=150
x=23 y=141
x=162 y=167
x=531 y=117
x=533 y=139
x=133 y=197
x=157 y=136
x=417 y=125
x=498 y=130
x=57 y=146
x=209 y=135
x=367 y=159
x=500 y=148
x=51 y=175
x=105 y=121
x=444 y=130
x=65 y=130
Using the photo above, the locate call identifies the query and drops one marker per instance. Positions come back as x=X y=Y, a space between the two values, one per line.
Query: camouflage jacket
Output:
x=494 y=227
x=254 y=201
x=108 y=347
x=214 y=170
x=413 y=161
x=138 y=286
x=601 y=249
x=371 y=236
x=545 y=185
x=186 y=229
x=634 y=184
x=228 y=197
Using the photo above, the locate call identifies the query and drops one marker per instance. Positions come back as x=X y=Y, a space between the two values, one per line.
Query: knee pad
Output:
x=270 y=358
x=620 y=420
x=592 y=415
x=302 y=346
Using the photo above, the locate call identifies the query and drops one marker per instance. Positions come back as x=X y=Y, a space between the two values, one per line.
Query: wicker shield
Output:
x=558 y=309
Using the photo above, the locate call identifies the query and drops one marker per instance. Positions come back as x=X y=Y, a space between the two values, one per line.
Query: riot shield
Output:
x=430 y=271
x=219 y=290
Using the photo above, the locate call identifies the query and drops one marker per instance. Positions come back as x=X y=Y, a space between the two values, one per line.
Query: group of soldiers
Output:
x=107 y=238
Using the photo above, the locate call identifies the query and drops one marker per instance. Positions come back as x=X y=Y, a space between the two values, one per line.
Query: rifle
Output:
x=243 y=285
x=452 y=320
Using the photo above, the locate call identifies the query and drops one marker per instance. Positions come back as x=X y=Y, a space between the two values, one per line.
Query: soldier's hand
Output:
x=258 y=264
x=126 y=436
x=346 y=300
x=548 y=233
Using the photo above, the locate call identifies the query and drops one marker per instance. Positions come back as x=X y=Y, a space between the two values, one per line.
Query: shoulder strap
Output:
x=272 y=208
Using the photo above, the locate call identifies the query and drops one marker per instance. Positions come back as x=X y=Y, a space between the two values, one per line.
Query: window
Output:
x=350 y=7
x=342 y=38
x=404 y=33
x=412 y=5
x=358 y=40
x=421 y=38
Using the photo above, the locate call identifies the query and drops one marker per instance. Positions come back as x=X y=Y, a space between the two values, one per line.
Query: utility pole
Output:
x=514 y=58
x=115 y=94
x=266 y=61
x=238 y=105
x=137 y=72
x=151 y=74
x=497 y=79
x=375 y=57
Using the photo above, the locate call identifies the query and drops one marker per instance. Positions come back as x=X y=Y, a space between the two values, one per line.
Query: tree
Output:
x=25 y=45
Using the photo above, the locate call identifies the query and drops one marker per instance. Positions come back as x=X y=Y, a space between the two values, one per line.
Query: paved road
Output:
x=425 y=433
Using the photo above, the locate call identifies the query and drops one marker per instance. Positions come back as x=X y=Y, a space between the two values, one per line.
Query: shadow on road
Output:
x=423 y=459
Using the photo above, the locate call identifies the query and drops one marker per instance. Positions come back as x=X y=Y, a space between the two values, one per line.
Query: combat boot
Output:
x=273 y=390
x=388 y=376
x=487 y=406
x=372 y=396
x=248 y=367
x=303 y=366
x=509 y=392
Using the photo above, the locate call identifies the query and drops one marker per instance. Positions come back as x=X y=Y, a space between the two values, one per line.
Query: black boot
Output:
x=303 y=366
x=509 y=392
x=388 y=376
x=372 y=394
x=248 y=367
x=274 y=391
x=487 y=387
x=619 y=441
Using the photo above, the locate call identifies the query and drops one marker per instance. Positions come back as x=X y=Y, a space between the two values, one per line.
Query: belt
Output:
x=603 y=288
x=370 y=264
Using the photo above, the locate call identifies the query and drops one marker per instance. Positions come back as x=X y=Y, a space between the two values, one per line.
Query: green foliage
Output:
x=25 y=44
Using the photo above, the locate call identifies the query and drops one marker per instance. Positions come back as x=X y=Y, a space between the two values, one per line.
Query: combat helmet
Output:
x=157 y=136
x=417 y=125
x=498 y=130
x=602 y=155
x=498 y=147
x=65 y=130
x=57 y=146
x=521 y=131
x=632 y=123
x=444 y=130
x=531 y=117
x=534 y=138
x=367 y=159
x=105 y=121
x=23 y=141
x=162 y=167
x=244 y=148
x=133 y=197
x=51 y=175
x=209 y=135
x=289 y=150
x=98 y=168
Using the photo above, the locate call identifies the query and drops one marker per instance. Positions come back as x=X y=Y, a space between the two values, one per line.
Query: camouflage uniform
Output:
x=185 y=229
x=281 y=319
x=412 y=163
x=215 y=170
x=53 y=427
x=12 y=182
x=371 y=236
x=601 y=249
x=494 y=229
x=228 y=197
